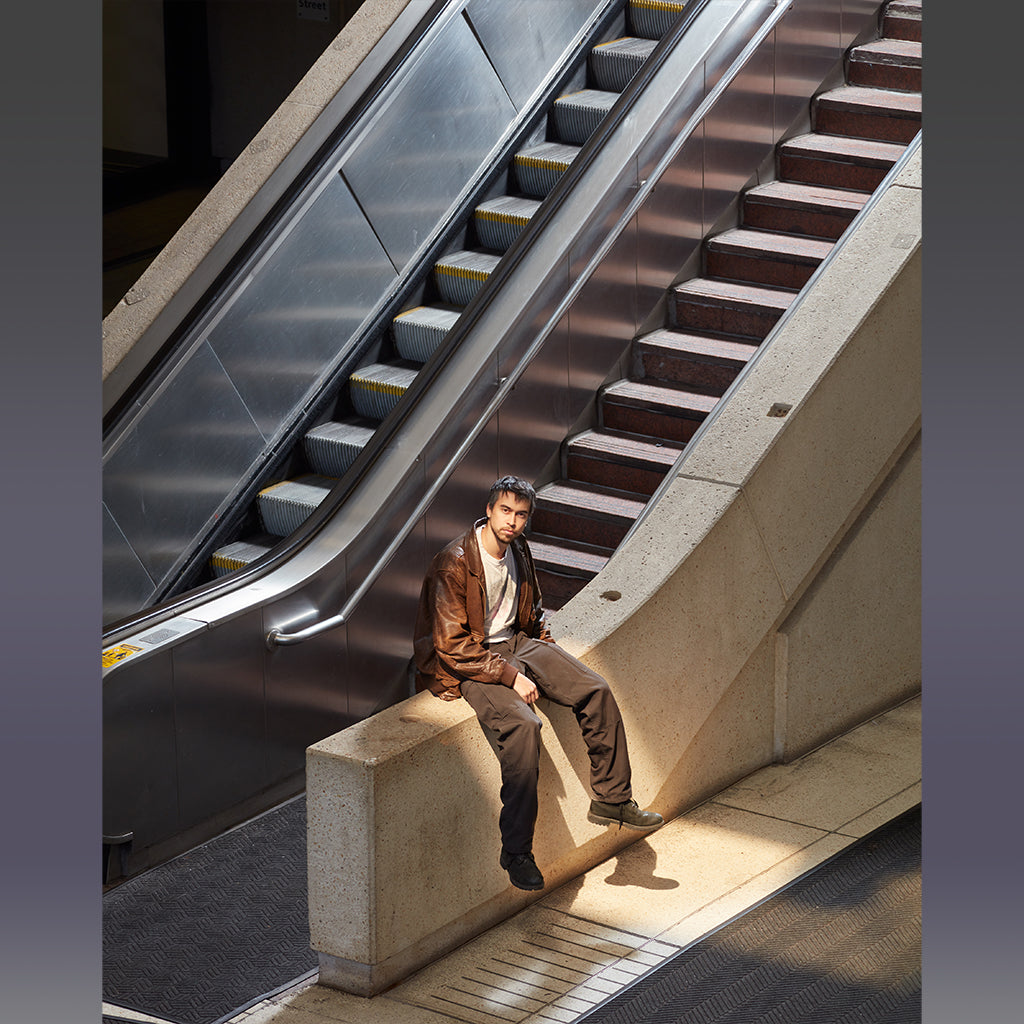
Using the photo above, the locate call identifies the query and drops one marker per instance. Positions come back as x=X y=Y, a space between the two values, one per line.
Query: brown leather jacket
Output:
x=449 y=641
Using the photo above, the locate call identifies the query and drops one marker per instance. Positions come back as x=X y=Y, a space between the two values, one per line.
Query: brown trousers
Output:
x=563 y=679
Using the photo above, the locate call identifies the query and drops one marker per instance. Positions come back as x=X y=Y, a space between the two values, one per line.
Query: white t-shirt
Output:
x=501 y=583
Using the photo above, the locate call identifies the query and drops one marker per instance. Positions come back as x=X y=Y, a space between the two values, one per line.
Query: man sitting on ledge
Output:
x=480 y=634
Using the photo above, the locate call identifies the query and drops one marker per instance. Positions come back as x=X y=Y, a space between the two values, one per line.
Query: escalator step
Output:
x=418 y=332
x=613 y=64
x=653 y=18
x=331 y=448
x=579 y=113
x=236 y=555
x=538 y=168
x=462 y=274
x=285 y=506
x=375 y=389
x=499 y=221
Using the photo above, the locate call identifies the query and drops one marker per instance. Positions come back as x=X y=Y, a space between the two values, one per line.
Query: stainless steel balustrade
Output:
x=203 y=697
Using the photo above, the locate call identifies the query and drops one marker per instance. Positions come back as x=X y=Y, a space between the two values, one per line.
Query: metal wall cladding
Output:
x=807 y=46
x=302 y=303
x=430 y=137
x=526 y=38
x=140 y=793
x=130 y=585
x=171 y=471
x=220 y=720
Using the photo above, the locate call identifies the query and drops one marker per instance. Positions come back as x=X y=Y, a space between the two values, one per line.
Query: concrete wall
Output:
x=768 y=603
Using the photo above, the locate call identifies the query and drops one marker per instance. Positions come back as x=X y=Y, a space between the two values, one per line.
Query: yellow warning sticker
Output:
x=112 y=655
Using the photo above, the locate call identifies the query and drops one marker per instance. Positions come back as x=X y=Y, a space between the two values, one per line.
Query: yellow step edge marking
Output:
x=659 y=5
x=223 y=562
x=378 y=386
x=503 y=218
x=547 y=165
x=473 y=275
x=408 y=311
x=612 y=42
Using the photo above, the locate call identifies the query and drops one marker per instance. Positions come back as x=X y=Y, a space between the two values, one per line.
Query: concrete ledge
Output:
x=713 y=626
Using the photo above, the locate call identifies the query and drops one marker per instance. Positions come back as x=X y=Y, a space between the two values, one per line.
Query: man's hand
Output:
x=526 y=688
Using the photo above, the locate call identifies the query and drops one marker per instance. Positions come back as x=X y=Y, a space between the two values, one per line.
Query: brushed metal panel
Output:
x=126 y=584
x=603 y=318
x=140 y=784
x=535 y=418
x=430 y=137
x=671 y=223
x=738 y=132
x=306 y=697
x=807 y=47
x=525 y=39
x=170 y=473
x=308 y=295
x=381 y=628
x=858 y=15
x=220 y=717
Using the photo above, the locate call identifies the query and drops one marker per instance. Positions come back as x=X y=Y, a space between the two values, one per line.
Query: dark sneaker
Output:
x=627 y=814
x=522 y=870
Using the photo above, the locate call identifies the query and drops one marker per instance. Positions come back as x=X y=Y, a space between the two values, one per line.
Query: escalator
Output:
x=486 y=345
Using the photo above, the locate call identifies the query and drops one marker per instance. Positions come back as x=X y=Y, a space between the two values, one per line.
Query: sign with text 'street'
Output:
x=314 y=10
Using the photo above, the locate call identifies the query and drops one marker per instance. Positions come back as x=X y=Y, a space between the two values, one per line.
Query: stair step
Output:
x=238 y=554
x=539 y=167
x=460 y=275
x=332 y=447
x=726 y=307
x=696 y=361
x=499 y=221
x=586 y=513
x=620 y=460
x=764 y=257
x=812 y=210
x=653 y=18
x=651 y=409
x=886 y=64
x=613 y=64
x=902 y=20
x=283 y=507
x=375 y=389
x=564 y=568
x=577 y=114
x=417 y=332
x=837 y=161
x=879 y=114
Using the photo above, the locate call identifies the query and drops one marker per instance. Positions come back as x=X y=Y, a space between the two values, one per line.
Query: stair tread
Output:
x=653 y=394
x=517 y=208
x=734 y=291
x=892 y=102
x=592 y=500
x=809 y=197
x=889 y=51
x=566 y=555
x=870 y=151
x=773 y=245
x=626 y=449
x=599 y=99
x=557 y=154
x=470 y=261
x=699 y=345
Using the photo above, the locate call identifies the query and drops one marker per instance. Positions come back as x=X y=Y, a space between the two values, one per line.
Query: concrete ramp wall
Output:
x=769 y=602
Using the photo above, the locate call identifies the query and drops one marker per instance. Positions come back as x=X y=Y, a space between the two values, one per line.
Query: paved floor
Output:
x=593 y=936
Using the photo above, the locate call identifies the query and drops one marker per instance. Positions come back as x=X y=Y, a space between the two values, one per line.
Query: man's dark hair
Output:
x=512 y=485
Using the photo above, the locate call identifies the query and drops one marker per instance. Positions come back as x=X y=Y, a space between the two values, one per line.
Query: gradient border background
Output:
x=50 y=958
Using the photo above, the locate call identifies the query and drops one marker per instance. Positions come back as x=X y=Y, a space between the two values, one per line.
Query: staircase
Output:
x=716 y=321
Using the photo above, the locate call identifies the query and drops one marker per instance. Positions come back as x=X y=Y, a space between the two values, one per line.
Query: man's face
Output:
x=508 y=517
